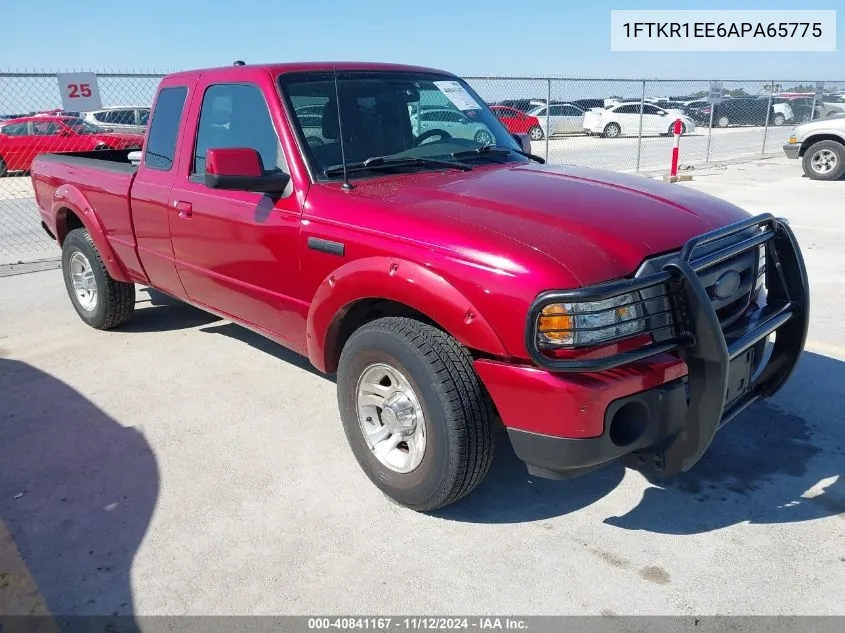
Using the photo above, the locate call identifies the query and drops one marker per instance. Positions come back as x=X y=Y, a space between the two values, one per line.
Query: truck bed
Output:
x=103 y=178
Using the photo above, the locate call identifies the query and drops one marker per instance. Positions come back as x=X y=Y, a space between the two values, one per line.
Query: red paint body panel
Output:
x=240 y=161
x=471 y=250
x=568 y=405
x=515 y=122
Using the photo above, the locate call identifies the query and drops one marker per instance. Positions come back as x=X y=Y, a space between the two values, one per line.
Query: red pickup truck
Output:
x=452 y=284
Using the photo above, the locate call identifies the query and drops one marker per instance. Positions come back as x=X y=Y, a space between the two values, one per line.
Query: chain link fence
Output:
x=612 y=124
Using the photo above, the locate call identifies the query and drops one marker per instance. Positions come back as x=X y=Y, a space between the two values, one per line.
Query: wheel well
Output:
x=819 y=137
x=71 y=221
x=360 y=313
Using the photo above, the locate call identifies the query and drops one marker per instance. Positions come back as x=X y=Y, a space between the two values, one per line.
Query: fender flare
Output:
x=396 y=280
x=69 y=198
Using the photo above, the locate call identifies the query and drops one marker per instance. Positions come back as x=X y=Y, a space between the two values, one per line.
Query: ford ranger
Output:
x=381 y=221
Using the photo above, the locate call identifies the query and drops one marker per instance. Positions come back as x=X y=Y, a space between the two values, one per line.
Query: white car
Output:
x=452 y=121
x=783 y=113
x=564 y=118
x=624 y=120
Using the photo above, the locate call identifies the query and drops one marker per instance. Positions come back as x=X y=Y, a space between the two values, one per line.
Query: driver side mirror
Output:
x=524 y=142
x=240 y=169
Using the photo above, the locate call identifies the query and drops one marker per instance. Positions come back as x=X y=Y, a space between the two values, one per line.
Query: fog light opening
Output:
x=628 y=423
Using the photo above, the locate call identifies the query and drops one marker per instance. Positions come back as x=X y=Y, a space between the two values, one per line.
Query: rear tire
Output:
x=824 y=160
x=612 y=130
x=536 y=133
x=779 y=120
x=100 y=301
x=432 y=377
x=723 y=121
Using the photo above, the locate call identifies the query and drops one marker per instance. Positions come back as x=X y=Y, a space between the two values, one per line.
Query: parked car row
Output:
x=22 y=139
x=614 y=118
x=566 y=117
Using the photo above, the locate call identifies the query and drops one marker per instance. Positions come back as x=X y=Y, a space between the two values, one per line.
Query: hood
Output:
x=599 y=225
x=833 y=123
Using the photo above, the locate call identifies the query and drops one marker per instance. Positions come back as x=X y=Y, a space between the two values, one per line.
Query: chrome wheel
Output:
x=83 y=280
x=391 y=418
x=824 y=161
x=484 y=137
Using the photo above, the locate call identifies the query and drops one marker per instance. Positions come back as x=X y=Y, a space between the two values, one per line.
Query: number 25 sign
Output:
x=79 y=91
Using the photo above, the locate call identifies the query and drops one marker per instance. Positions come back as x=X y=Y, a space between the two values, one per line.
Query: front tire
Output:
x=415 y=413
x=723 y=121
x=824 y=160
x=779 y=120
x=100 y=301
x=536 y=133
x=612 y=130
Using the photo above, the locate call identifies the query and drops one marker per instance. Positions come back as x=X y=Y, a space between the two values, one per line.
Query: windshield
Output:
x=393 y=114
x=79 y=126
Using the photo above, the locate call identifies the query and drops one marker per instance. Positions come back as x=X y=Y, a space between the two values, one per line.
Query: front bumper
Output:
x=792 y=150
x=671 y=422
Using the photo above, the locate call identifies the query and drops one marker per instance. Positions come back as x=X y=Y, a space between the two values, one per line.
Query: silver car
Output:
x=127 y=119
x=565 y=118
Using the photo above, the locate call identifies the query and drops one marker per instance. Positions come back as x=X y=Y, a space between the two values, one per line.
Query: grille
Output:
x=729 y=306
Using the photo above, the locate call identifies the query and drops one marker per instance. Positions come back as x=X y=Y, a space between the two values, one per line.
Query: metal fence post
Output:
x=768 y=113
x=640 y=133
x=548 y=114
x=709 y=133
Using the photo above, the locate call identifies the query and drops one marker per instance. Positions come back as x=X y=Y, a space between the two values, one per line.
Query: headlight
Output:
x=580 y=324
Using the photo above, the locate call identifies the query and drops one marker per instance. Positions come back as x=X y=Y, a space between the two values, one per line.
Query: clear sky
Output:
x=487 y=37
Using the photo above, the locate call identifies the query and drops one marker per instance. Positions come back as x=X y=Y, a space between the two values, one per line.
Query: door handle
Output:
x=183 y=209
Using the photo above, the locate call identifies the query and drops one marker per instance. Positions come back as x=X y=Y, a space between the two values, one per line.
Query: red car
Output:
x=517 y=122
x=452 y=284
x=21 y=140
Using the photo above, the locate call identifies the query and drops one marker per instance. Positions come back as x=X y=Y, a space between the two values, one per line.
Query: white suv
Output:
x=821 y=147
x=127 y=119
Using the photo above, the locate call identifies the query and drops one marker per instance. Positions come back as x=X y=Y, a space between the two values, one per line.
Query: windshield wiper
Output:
x=386 y=162
x=495 y=150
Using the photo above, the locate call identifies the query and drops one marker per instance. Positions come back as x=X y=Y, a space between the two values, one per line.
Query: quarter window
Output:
x=161 y=141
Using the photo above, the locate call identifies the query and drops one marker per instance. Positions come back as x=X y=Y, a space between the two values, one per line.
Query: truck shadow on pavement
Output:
x=76 y=497
x=767 y=466
x=158 y=312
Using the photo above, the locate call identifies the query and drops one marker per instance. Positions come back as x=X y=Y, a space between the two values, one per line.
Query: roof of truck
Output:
x=316 y=66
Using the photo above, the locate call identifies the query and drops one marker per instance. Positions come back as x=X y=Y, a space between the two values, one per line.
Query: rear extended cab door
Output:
x=151 y=189
x=237 y=252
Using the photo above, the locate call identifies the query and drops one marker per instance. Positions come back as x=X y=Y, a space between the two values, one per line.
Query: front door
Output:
x=236 y=251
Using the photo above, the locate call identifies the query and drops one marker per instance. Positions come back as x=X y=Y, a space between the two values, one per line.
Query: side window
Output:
x=144 y=117
x=123 y=117
x=236 y=115
x=161 y=140
x=556 y=110
x=101 y=117
x=46 y=128
x=14 y=129
x=651 y=110
x=628 y=109
x=571 y=111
